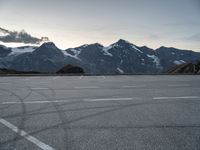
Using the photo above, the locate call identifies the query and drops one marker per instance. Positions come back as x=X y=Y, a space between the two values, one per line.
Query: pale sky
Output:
x=71 y=23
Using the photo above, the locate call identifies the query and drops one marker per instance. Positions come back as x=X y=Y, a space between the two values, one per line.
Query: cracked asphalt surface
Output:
x=101 y=112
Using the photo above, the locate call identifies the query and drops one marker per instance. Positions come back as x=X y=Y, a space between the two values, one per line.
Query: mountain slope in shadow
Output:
x=187 y=68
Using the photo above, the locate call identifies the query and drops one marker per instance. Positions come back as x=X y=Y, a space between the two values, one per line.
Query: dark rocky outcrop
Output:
x=188 y=68
x=69 y=69
x=4 y=51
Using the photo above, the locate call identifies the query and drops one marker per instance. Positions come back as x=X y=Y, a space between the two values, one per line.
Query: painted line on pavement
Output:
x=39 y=88
x=25 y=135
x=133 y=86
x=182 y=97
x=87 y=87
x=36 y=102
x=111 y=99
x=66 y=101
x=101 y=99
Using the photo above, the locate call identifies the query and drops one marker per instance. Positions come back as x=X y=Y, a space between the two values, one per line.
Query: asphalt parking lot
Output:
x=100 y=112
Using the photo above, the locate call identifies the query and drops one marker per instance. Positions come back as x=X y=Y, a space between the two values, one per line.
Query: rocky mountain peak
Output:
x=49 y=45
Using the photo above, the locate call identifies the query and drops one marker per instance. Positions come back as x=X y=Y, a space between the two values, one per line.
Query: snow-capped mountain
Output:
x=120 y=57
x=46 y=58
x=125 y=57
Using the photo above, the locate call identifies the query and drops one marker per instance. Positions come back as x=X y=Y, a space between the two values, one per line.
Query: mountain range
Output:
x=118 y=58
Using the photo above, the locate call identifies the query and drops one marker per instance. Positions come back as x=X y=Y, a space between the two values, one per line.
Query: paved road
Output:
x=100 y=113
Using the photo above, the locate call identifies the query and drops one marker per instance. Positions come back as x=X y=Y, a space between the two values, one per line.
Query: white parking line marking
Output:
x=25 y=135
x=111 y=99
x=133 y=86
x=89 y=87
x=66 y=101
x=36 y=102
x=39 y=88
x=183 y=97
x=28 y=102
x=101 y=99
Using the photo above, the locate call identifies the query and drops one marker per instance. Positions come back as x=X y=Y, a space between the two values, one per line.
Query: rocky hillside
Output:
x=188 y=68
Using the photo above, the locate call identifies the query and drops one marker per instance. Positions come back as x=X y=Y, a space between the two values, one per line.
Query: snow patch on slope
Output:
x=106 y=50
x=179 y=62
x=134 y=47
x=17 y=51
x=156 y=60
x=120 y=70
x=75 y=51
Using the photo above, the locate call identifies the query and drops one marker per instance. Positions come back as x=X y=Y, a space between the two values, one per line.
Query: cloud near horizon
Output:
x=22 y=36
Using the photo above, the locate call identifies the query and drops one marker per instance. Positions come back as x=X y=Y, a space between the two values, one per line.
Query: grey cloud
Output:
x=20 y=37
